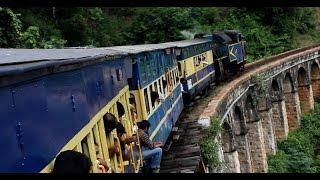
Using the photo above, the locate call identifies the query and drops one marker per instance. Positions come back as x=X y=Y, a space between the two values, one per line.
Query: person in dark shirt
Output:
x=151 y=151
x=72 y=162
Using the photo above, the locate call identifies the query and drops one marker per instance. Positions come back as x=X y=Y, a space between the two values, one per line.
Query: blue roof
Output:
x=22 y=60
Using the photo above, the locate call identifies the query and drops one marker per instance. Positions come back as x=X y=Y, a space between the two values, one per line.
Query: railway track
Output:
x=184 y=154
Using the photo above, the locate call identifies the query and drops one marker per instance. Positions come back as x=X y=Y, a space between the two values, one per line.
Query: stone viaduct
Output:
x=253 y=121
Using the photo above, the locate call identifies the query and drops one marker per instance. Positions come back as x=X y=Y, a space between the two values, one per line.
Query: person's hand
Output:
x=129 y=140
x=103 y=163
x=158 y=144
x=114 y=150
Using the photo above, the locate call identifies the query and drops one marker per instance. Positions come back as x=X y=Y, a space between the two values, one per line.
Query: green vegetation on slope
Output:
x=268 y=30
x=300 y=153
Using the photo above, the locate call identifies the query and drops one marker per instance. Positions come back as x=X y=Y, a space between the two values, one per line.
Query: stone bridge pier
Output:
x=252 y=122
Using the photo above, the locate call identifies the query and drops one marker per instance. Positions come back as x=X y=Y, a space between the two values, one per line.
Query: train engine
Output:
x=229 y=53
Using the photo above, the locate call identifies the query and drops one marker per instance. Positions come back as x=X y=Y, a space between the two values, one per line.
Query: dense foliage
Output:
x=210 y=146
x=300 y=153
x=268 y=30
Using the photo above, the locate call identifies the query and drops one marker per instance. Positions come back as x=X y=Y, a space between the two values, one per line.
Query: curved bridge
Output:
x=262 y=105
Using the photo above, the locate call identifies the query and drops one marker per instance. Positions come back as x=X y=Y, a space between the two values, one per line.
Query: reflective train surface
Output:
x=54 y=100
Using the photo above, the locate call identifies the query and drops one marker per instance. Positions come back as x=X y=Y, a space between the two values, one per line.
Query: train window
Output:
x=174 y=78
x=160 y=86
x=176 y=71
x=110 y=122
x=146 y=100
x=119 y=74
x=154 y=98
x=133 y=107
x=179 y=68
x=171 y=78
x=164 y=83
x=84 y=145
x=156 y=86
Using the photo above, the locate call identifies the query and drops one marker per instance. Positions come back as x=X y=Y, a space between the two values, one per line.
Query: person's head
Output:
x=72 y=162
x=121 y=131
x=110 y=122
x=132 y=99
x=121 y=110
x=144 y=125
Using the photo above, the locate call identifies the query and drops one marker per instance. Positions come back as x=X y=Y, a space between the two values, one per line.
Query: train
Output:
x=60 y=99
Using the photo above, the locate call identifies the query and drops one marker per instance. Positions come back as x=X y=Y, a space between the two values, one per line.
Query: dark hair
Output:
x=110 y=122
x=120 y=129
x=72 y=162
x=121 y=110
x=143 y=124
x=154 y=97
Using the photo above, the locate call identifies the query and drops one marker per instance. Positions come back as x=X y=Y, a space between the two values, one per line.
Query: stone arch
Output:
x=304 y=91
x=227 y=138
x=255 y=137
x=241 y=141
x=231 y=156
x=240 y=125
x=249 y=107
x=315 y=81
x=278 y=111
x=265 y=115
x=275 y=85
x=291 y=102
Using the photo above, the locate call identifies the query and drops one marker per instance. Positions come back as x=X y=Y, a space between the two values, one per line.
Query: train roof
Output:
x=135 y=49
x=21 y=60
x=186 y=43
x=17 y=56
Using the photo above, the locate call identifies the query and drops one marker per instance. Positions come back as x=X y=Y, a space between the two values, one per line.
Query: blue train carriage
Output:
x=195 y=64
x=229 y=50
x=154 y=87
x=54 y=100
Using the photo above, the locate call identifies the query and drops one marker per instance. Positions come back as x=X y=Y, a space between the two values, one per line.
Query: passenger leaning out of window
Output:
x=151 y=151
x=72 y=162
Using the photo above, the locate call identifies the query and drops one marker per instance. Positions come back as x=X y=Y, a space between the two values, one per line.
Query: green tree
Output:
x=155 y=25
x=10 y=28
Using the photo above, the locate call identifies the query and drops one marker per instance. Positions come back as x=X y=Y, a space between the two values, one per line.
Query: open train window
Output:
x=173 y=78
x=119 y=74
x=154 y=97
x=177 y=75
x=85 y=148
x=133 y=107
x=179 y=68
x=159 y=84
x=146 y=100
x=164 y=83
x=156 y=86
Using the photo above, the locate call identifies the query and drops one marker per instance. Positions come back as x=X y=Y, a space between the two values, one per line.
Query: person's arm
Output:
x=114 y=150
x=131 y=139
x=145 y=139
